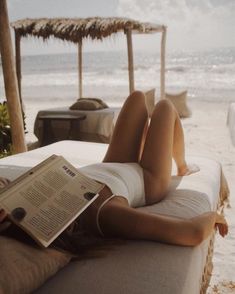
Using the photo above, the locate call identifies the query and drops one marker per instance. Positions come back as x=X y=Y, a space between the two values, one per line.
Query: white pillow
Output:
x=88 y=104
x=23 y=268
x=180 y=102
x=150 y=101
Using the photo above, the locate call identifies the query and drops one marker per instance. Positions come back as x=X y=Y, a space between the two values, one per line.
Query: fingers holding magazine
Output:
x=4 y=182
x=46 y=199
x=3 y=215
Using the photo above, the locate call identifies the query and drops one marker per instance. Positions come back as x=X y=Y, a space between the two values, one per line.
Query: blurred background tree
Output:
x=5 y=131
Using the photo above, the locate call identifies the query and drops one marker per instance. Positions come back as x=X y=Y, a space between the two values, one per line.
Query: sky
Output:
x=192 y=24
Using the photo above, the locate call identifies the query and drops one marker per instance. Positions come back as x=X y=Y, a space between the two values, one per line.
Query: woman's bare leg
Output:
x=116 y=217
x=125 y=146
x=164 y=140
x=128 y=132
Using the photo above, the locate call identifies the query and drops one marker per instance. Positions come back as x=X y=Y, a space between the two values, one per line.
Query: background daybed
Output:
x=137 y=266
x=96 y=127
x=231 y=122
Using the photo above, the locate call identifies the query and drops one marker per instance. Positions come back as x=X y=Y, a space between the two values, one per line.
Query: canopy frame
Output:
x=10 y=82
x=75 y=30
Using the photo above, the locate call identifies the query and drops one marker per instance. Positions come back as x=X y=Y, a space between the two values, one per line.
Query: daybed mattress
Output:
x=135 y=266
x=231 y=121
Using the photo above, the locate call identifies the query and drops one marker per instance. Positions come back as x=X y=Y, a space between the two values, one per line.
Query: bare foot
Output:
x=188 y=170
x=221 y=225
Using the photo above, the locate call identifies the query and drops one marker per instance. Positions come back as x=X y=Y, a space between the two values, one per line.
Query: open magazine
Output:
x=48 y=198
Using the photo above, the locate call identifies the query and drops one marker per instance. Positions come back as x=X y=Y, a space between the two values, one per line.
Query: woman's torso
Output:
x=123 y=179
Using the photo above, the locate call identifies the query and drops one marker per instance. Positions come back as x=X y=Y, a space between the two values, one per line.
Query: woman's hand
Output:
x=4 y=182
x=221 y=224
x=3 y=215
x=4 y=220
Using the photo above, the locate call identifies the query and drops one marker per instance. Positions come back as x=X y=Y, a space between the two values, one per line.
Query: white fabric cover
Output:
x=231 y=121
x=136 y=266
x=96 y=127
x=24 y=268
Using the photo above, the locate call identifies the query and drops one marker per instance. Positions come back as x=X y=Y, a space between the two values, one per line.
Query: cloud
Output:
x=197 y=24
x=192 y=24
x=60 y=8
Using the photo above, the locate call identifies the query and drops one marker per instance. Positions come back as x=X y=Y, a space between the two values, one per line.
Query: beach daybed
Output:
x=231 y=121
x=96 y=127
x=135 y=267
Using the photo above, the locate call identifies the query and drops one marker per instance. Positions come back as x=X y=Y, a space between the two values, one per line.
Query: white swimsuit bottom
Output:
x=123 y=179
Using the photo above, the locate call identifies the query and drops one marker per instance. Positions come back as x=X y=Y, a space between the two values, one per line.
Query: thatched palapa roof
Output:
x=75 y=29
x=94 y=28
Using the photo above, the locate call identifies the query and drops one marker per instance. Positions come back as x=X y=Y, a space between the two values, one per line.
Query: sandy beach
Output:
x=206 y=134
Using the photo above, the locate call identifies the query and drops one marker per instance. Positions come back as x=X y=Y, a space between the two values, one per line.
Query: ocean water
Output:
x=206 y=75
x=50 y=81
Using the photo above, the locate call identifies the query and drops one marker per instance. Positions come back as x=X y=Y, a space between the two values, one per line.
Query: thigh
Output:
x=127 y=137
x=88 y=217
x=157 y=154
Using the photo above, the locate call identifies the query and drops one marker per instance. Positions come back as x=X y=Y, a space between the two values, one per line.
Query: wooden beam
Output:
x=80 y=70
x=163 y=62
x=18 y=62
x=10 y=82
x=130 y=60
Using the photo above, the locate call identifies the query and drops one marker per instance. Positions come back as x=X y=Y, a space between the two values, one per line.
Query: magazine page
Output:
x=49 y=198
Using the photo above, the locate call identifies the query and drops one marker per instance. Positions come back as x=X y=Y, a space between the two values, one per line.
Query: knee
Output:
x=136 y=103
x=137 y=97
x=165 y=105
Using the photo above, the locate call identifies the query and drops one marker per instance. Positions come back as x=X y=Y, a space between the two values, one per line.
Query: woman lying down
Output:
x=136 y=171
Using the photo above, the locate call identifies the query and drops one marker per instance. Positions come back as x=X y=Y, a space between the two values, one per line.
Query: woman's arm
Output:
x=187 y=232
x=120 y=220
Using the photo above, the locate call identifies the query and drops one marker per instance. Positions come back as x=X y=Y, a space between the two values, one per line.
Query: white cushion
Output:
x=180 y=102
x=135 y=266
x=231 y=121
x=24 y=268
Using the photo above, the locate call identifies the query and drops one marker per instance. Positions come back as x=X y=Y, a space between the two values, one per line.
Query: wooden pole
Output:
x=10 y=82
x=80 y=69
x=163 y=62
x=130 y=61
x=18 y=62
